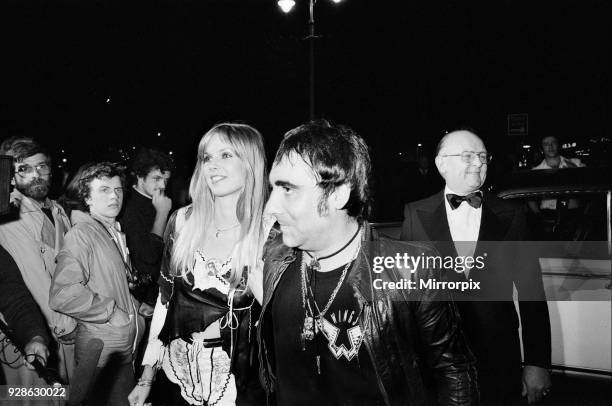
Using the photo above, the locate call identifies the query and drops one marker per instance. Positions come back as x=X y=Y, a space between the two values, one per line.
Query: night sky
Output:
x=86 y=76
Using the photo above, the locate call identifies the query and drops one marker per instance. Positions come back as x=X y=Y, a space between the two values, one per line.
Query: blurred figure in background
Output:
x=423 y=182
x=144 y=221
x=550 y=211
x=553 y=158
x=70 y=200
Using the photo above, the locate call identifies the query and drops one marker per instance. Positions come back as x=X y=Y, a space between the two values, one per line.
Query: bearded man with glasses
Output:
x=33 y=235
x=463 y=221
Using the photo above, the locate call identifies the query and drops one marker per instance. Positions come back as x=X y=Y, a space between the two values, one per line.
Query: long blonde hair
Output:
x=247 y=142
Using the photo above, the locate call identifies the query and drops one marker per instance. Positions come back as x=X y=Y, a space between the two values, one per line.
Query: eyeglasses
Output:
x=468 y=156
x=25 y=170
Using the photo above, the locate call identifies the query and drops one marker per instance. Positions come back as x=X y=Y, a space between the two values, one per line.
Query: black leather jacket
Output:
x=413 y=338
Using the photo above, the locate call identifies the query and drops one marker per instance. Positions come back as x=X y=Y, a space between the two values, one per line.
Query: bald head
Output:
x=460 y=176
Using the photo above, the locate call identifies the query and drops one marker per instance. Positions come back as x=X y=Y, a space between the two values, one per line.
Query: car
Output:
x=569 y=214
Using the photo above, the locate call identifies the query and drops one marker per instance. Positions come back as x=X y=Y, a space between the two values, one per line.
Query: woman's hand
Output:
x=138 y=396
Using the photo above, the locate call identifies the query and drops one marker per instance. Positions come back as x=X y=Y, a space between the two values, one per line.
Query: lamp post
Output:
x=286 y=6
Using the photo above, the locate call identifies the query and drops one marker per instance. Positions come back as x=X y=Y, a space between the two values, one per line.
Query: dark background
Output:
x=95 y=77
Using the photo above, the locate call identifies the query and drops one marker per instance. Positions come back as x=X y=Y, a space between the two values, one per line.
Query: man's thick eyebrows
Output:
x=284 y=183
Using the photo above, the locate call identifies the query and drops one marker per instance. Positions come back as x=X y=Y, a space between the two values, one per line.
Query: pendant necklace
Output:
x=316 y=265
x=221 y=230
x=310 y=326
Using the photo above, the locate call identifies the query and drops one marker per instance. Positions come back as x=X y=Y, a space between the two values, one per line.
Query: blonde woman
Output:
x=202 y=325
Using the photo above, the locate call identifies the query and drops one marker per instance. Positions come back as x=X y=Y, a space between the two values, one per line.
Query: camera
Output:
x=6 y=168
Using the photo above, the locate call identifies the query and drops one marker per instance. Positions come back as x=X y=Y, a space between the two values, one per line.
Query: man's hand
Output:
x=536 y=383
x=161 y=202
x=68 y=338
x=36 y=349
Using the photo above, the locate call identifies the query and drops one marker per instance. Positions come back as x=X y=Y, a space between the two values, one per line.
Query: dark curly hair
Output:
x=98 y=171
x=148 y=159
x=337 y=156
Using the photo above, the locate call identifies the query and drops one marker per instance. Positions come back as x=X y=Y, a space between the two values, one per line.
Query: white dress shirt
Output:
x=464 y=225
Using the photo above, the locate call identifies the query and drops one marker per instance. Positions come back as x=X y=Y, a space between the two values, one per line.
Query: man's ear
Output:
x=340 y=196
x=441 y=165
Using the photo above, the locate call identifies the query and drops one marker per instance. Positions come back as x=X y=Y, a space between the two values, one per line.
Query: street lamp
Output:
x=287 y=6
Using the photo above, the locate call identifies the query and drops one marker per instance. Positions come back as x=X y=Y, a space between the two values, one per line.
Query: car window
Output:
x=567 y=217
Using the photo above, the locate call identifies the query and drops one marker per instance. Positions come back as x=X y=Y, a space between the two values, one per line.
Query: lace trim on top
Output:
x=211 y=273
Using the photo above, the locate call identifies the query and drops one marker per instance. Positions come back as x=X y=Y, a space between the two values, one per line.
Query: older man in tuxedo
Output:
x=463 y=221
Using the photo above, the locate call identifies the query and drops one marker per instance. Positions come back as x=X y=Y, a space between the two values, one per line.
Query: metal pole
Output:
x=311 y=58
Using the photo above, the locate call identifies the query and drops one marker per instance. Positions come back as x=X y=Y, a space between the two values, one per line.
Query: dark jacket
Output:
x=19 y=309
x=145 y=247
x=492 y=326
x=413 y=338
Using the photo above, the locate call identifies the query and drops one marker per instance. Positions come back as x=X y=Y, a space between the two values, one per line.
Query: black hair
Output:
x=337 y=155
x=148 y=159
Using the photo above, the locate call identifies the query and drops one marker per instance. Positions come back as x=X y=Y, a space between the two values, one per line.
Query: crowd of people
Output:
x=260 y=291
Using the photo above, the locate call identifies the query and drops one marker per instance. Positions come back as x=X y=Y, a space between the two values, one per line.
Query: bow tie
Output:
x=473 y=199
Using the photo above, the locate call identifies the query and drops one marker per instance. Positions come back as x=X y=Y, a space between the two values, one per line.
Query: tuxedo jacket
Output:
x=492 y=326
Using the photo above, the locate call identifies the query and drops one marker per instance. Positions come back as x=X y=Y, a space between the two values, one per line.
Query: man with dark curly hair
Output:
x=90 y=283
x=144 y=220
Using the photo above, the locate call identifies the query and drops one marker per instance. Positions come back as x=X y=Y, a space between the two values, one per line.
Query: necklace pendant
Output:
x=308 y=329
x=315 y=265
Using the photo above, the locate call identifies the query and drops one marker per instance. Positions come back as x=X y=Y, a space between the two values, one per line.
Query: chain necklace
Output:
x=309 y=327
x=221 y=230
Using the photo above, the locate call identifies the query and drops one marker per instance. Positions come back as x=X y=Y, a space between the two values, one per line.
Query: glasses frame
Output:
x=463 y=154
x=32 y=169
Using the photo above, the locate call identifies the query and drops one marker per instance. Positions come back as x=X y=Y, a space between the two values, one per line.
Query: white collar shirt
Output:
x=464 y=221
x=464 y=225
